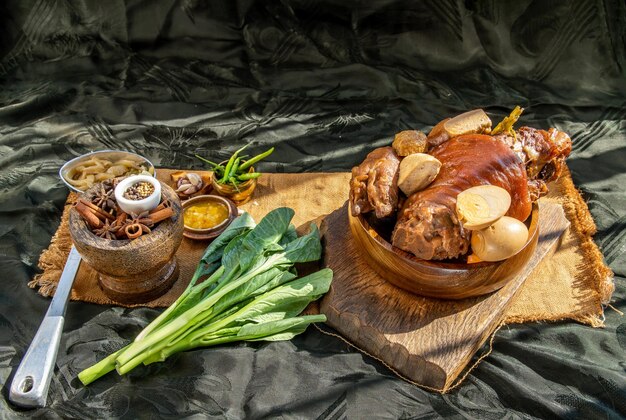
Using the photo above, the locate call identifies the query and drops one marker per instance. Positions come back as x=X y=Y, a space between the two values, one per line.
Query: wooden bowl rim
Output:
x=164 y=230
x=209 y=233
x=74 y=161
x=533 y=230
x=243 y=186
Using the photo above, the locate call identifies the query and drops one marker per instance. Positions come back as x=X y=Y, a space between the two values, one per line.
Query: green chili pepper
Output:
x=234 y=182
x=213 y=164
x=247 y=164
x=233 y=170
x=230 y=164
x=227 y=170
x=245 y=177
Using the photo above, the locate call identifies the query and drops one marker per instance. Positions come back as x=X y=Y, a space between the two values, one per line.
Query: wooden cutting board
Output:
x=429 y=341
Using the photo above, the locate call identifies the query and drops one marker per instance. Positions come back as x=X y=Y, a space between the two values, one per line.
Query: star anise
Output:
x=138 y=224
x=104 y=198
x=141 y=218
x=108 y=230
x=110 y=184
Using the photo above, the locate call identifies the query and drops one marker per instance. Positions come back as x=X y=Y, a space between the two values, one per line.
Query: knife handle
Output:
x=29 y=387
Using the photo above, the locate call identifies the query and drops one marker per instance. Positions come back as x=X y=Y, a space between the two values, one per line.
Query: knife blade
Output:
x=29 y=387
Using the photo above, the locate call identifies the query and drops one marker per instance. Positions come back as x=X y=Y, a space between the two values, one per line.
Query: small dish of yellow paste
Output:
x=205 y=214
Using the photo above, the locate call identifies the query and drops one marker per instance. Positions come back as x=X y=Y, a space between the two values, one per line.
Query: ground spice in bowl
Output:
x=139 y=191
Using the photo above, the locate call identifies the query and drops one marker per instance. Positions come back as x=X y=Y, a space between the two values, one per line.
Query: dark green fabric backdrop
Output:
x=324 y=82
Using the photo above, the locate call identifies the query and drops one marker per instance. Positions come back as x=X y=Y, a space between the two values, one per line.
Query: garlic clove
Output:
x=194 y=179
x=480 y=206
x=189 y=184
x=417 y=171
x=501 y=240
x=182 y=186
x=191 y=190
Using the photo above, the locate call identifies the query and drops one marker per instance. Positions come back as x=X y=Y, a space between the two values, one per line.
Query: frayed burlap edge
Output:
x=52 y=260
x=599 y=277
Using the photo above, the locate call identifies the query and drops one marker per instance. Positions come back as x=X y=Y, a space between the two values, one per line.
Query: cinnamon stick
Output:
x=101 y=214
x=163 y=205
x=133 y=231
x=121 y=218
x=88 y=215
x=120 y=221
x=161 y=215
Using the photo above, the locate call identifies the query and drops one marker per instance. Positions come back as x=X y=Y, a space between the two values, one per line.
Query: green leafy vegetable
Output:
x=244 y=289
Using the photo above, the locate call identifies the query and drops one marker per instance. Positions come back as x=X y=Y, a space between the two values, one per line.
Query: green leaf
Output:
x=306 y=248
x=289 y=236
x=241 y=224
x=269 y=331
x=254 y=287
x=287 y=300
x=269 y=231
x=232 y=251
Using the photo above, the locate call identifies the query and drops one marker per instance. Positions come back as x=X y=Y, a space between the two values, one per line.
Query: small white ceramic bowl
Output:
x=137 y=206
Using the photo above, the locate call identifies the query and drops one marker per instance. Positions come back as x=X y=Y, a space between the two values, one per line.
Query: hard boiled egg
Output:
x=480 y=206
x=501 y=240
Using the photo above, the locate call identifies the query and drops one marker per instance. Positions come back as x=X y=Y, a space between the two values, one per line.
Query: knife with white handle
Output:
x=32 y=378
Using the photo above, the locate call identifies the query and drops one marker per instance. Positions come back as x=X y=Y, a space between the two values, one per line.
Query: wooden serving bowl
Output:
x=132 y=271
x=438 y=279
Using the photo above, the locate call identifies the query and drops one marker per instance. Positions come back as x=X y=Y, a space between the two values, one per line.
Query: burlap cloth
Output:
x=573 y=284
